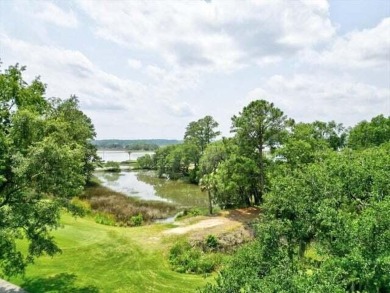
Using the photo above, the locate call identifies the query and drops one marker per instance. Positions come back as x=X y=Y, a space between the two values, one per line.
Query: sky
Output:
x=145 y=69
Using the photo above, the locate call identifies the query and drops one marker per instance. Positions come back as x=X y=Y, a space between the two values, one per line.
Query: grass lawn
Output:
x=98 y=258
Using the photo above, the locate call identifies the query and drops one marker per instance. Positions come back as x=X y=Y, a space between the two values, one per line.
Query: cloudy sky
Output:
x=145 y=69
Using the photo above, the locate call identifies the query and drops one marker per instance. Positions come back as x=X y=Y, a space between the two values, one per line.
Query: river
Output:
x=145 y=185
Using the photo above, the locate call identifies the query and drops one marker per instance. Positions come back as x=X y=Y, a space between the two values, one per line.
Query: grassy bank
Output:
x=99 y=258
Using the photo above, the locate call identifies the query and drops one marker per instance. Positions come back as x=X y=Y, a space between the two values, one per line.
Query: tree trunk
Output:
x=210 y=202
x=262 y=173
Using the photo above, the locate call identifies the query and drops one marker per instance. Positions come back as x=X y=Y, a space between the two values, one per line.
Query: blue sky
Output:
x=145 y=69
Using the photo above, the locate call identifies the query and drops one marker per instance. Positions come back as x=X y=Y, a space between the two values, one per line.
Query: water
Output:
x=120 y=156
x=145 y=185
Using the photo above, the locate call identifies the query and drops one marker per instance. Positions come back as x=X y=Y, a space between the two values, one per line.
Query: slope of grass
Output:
x=98 y=258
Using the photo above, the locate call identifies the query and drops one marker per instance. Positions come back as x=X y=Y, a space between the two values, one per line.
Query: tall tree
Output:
x=45 y=159
x=367 y=134
x=214 y=154
x=201 y=132
x=260 y=125
x=340 y=209
x=197 y=136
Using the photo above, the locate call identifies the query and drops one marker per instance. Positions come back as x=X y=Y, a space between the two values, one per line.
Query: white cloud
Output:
x=359 y=49
x=110 y=101
x=318 y=97
x=51 y=13
x=219 y=35
x=134 y=63
x=71 y=72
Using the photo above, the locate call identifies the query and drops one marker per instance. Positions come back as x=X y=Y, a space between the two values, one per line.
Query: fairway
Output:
x=98 y=258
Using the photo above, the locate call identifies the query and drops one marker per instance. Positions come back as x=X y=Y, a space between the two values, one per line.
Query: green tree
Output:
x=260 y=125
x=304 y=144
x=201 y=132
x=339 y=208
x=146 y=162
x=45 y=159
x=367 y=134
x=214 y=154
x=235 y=182
x=198 y=135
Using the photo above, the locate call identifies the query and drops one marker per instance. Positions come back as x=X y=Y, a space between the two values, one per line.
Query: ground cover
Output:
x=99 y=258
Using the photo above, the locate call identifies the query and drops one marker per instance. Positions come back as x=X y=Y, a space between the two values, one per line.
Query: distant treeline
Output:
x=134 y=144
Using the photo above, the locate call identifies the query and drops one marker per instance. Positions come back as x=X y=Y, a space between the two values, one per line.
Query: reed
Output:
x=124 y=208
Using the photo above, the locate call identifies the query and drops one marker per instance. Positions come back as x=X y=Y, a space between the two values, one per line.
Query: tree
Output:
x=45 y=160
x=235 y=182
x=304 y=144
x=214 y=154
x=339 y=208
x=260 y=125
x=146 y=162
x=368 y=134
x=201 y=132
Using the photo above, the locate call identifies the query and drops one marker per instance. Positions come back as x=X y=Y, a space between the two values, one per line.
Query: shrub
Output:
x=211 y=242
x=187 y=259
x=192 y=212
x=112 y=166
x=146 y=162
x=136 y=220
x=104 y=219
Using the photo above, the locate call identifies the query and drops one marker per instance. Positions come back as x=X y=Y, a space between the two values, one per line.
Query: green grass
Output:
x=98 y=258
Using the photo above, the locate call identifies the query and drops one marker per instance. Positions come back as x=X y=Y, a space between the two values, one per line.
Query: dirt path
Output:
x=203 y=224
x=6 y=287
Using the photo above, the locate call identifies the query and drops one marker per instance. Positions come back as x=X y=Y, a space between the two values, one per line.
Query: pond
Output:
x=145 y=185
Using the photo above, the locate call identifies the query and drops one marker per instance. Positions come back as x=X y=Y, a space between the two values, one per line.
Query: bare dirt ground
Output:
x=224 y=222
x=203 y=224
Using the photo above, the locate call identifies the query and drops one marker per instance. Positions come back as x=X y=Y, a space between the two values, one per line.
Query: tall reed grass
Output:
x=124 y=209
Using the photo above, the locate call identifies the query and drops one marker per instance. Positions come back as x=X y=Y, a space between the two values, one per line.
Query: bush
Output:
x=211 y=242
x=112 y=166
x=146 y=162
x=187 y=259
x=136 y=220
x=105 y=219
x=192 y=212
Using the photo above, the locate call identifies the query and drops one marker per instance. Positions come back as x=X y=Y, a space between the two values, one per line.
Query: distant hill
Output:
x=133 y=144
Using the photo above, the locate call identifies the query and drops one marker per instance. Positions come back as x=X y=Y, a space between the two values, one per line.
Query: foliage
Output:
x=339 y=206
x=146 y=162
x=200 y=133
x=211 y=242
x=192 y=212
x=123 y=210
x=214 y=154
x=187 y=259
x=307 y=142
x=368 y=134
x=141 y=146
x=133 y=144
x=235 y=182
x=45 y=159
x=136 y=220
x=112 y=166
x=105 y=219
x=260 y=125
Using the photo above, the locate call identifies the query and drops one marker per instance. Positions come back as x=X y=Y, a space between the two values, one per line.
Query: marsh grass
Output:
x=105 y=202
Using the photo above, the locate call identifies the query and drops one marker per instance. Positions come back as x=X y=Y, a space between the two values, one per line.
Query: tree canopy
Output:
x=367 y=134
x=260 y=125
x=45 y=159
